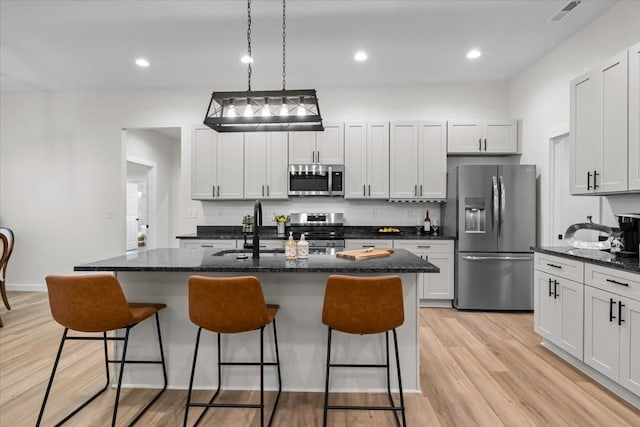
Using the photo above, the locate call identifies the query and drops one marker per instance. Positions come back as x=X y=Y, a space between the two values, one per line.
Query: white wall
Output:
x=540 y=95
x=62 y=162
x=154 y=146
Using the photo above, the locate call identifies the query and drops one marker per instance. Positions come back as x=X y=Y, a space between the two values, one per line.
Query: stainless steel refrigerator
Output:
x=496 y=225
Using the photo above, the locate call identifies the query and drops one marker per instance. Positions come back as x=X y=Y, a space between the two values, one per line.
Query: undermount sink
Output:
x=246 y=253
x=590 y=253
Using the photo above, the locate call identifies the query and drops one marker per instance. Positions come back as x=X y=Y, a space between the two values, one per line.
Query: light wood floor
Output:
x=484 y=369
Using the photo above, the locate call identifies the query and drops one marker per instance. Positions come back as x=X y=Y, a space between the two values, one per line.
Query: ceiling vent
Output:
x=565 y=11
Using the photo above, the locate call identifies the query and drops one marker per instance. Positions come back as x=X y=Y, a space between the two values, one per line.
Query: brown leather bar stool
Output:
x=230 y=305
x=96 y=303
x=6 y=245
x=364 y=305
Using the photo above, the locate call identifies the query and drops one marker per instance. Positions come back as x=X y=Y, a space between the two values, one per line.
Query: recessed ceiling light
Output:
x=360 y=56
x=141 y=62
x=473 y=54
x=246 y=59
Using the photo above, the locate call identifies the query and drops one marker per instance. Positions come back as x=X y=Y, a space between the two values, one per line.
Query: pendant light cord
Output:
x=284 y=45
x=249 y=43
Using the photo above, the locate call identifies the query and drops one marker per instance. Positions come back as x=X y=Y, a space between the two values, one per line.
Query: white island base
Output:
x=302 y=338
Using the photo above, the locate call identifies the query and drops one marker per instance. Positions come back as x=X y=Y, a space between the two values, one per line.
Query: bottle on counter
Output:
x=303 y=248
x=290 y=247
x=427 y=223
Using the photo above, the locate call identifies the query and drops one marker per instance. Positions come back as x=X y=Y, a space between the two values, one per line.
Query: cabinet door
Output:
x=569 y=320
x=378 y=160
x=276 y=165
x=432 y=160
x=330 y=144
x=584 y=124
x=440 y=285
x=630 y=346
x=634 y=117
x=355 y=160
x=255 y=165
x=465 y=137
x=302 y=148
x=544 y=305
x=612 y=146
x=601 y=332
x=230 y=166
x=404 y=160
x=203 y=163
x=500 y=137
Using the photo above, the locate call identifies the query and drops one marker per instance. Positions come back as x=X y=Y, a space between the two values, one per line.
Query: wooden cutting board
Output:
x=364 y=253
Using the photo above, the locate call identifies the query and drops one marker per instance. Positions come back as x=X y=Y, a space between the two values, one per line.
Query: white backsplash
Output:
x=356 y=212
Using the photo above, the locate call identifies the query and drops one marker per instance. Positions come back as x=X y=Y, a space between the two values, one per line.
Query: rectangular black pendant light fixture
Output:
x=264 y=111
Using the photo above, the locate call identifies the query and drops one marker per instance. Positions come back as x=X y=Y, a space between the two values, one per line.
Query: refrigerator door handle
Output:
x=494 y=258
x=503 y=202
x=494 y=191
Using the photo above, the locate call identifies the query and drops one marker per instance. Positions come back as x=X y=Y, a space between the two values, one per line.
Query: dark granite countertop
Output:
x=213 y=232
x=602 y=258
x=203 y=260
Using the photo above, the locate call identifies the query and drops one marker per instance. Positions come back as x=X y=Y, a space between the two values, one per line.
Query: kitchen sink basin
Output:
x=590 y=253
x=246 y=253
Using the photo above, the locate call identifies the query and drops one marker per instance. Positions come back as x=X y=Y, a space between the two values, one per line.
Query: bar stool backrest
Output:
x=227 y=304
x=363 y=305
x=88 y=303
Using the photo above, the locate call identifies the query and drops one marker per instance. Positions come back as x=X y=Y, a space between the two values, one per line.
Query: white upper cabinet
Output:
x=366 y=160
x=418 y=160
x=598 y=128
x=265 y=165
x=216 y=165
x=488 y=137
x=634 y=117
x=325 y=147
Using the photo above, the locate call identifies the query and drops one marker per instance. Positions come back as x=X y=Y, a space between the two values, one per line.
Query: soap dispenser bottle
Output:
x=303 y=248
x=290 y=247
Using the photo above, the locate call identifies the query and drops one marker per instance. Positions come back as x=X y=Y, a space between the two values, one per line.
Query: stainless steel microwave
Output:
x=316 y=180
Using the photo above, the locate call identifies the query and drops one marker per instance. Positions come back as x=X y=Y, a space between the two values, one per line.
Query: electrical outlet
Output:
x=220 y=213
x=192 y=213
x=109 y=213
x=374 y=213
x=409 y=213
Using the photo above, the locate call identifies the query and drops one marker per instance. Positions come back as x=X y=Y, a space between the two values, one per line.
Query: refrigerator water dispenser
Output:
x=475 y=215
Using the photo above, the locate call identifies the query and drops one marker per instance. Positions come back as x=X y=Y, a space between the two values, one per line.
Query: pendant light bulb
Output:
x=248 y=111
x=231 y=112
x=301 y=110
x=284 y=111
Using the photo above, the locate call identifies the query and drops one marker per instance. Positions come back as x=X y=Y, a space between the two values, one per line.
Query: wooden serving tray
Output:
x=364 y=253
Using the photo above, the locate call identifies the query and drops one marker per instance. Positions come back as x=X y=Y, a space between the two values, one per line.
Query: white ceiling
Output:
x=86 y=45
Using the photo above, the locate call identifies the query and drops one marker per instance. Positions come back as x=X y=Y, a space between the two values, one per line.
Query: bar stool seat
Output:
x=228 y=305
x=96 y=303
x=364 y=305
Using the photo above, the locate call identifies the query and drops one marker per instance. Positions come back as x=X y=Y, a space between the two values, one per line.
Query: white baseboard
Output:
x=27 y=287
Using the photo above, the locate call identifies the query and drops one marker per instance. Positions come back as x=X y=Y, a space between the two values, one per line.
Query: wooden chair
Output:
x=6 y=242
x=96 y=303
x=364 y=305
x=226 y=306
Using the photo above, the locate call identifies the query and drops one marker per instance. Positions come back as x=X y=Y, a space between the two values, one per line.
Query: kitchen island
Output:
x=161 y=275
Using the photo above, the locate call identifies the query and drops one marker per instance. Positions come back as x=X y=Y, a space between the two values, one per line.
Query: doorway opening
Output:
x=152 y=187
x=564 y=208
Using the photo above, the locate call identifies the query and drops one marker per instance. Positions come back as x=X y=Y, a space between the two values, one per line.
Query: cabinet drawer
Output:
x=425 y=246
x=208 y=244
x=372 y=243
x=611 y=280
x=562 y=267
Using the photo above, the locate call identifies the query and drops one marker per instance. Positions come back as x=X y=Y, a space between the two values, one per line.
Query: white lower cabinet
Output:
x=433 y=286
x=264 y=244
x=558 y=311
x=207 y=244
x=371 y=243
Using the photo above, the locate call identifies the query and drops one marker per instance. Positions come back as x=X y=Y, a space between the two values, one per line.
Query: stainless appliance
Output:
x=496 y=228
x=323 y=231
x=316 y=180
x=630 y=226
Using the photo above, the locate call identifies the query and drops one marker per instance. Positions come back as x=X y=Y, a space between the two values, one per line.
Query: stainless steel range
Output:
x=323 y=231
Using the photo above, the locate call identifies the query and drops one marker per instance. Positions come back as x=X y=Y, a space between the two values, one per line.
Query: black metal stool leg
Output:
x=326 y=384
x=219 y=383
x=391 y=402
x=53 y=373
x=121 y=374
x=193 y=371
x=262 y=377
x=275 y=405
x=395 y=344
